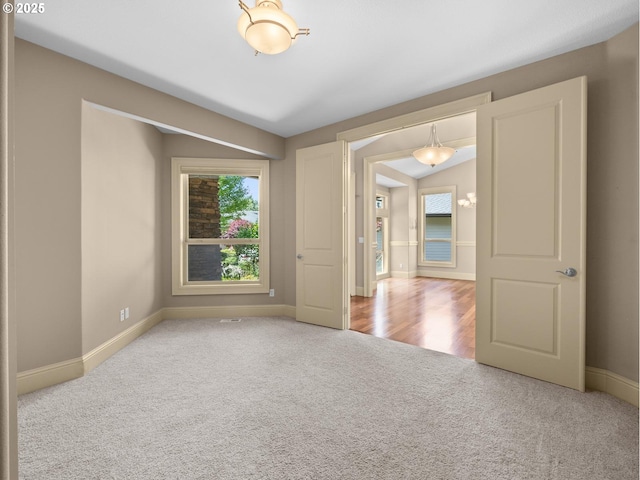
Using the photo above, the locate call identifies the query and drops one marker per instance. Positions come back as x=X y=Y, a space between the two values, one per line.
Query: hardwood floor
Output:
x=433 y=313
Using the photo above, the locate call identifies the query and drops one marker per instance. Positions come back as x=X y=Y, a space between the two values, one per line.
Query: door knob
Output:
x=299 y=257
x=569 y=272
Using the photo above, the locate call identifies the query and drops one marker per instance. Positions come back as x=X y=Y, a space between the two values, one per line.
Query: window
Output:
x=220 y=226
x=382 y=235
x=438 y=227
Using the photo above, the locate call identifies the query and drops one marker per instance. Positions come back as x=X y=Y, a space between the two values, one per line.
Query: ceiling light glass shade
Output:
x=267 y=28
x=433 y=153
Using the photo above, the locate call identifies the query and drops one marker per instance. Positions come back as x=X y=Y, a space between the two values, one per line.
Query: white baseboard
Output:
x=447 y=275
x=400 y=274
x=31 y=380
x=612 y=383
x=37 y=378
x=99 y=354
x=404 y=274
x=229 y=311
x=289 y=311
x=48 y=375
x=359 y=291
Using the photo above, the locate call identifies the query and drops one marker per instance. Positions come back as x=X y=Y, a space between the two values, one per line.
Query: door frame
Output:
x=368 y=194
x=8 y=326
x=420 y=117
x=368 y=198
x=384 y=215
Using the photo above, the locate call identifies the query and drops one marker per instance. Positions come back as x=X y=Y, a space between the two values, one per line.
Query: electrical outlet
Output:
x=122 y=315
x=272 y=292
x=401 y=265
x=126 y=313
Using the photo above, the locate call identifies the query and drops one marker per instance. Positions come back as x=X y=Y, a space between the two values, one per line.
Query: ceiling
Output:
x=362 y=55
x=397 y=146
x=413 y=168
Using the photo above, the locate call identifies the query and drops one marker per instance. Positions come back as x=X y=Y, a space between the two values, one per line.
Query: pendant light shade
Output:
x=267 y=28
x=433 y=153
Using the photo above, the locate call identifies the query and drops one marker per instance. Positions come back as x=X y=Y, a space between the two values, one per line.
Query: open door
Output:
x=321 y=269
x=531 y=229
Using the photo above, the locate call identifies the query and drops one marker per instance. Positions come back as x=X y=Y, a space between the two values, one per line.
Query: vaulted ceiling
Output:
x=361 y=55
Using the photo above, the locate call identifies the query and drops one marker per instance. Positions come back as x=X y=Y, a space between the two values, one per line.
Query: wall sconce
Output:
x=468 y=202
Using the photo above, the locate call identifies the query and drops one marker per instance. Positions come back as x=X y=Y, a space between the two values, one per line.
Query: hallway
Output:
x=433 y=313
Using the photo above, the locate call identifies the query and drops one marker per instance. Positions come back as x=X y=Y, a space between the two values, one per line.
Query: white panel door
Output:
x=531 y=227
x=321 y=273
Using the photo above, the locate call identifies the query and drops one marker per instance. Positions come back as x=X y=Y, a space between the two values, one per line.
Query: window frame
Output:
x=181 y=168
x=383 y=213
x=451 y=189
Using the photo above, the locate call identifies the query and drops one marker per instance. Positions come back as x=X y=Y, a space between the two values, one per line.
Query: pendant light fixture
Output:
x=433 y=153
x=267 y=28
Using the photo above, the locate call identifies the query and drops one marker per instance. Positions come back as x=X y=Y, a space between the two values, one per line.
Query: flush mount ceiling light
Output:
x=433 y=153
x=267 y=28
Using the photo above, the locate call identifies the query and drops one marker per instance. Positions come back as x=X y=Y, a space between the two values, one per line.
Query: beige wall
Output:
x=463 y=176
x=47 y=210
x=121 y=236
x=48 y=188
x=612 y=210
x=184 y=146
x=400 y=263
x=612 y=236
x=50 y=89
x=404 y=211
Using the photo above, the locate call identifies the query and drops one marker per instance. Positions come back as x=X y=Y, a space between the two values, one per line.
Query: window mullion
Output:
x=222 y=241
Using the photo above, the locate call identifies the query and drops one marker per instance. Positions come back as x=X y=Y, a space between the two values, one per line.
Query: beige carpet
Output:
x=270 y=398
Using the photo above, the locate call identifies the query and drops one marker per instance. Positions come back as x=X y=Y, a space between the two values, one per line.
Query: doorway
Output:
x=523 y=324
x=421 y=297
x=382 y=234
x=434 y=313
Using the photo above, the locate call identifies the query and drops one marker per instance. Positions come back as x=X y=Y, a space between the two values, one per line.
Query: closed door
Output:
x=531 y=228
